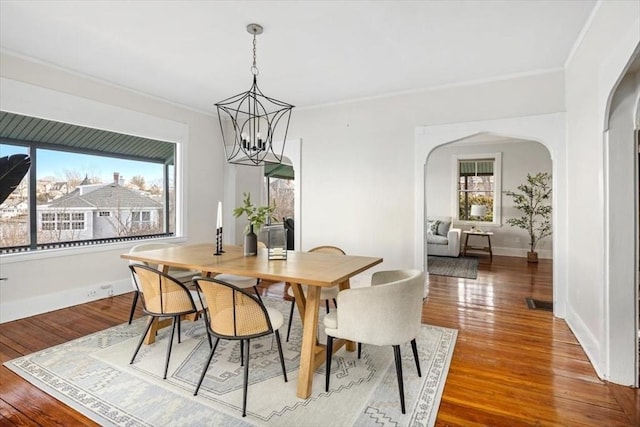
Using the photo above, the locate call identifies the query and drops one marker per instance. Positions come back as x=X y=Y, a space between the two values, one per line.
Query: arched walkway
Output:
x=547 y=129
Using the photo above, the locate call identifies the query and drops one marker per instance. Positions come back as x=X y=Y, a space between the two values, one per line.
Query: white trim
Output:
x=582 y=34
x=497 y=188
x=547 y=129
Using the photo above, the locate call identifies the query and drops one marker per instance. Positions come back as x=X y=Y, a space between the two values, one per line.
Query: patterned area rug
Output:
x=93 y=375
x=465 y=267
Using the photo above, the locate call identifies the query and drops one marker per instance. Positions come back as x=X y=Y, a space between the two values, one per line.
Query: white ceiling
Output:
x=196 y=53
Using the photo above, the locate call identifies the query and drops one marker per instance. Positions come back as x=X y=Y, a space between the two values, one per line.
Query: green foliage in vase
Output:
x=256 y=215
x=533 y=200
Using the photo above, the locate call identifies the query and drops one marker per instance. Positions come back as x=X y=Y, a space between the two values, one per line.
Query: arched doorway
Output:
x=622 y=226
x=547 y=129
x=509 y=161
x=240 y=179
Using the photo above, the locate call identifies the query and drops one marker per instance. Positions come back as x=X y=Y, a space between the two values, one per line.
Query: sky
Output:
x=56 y=163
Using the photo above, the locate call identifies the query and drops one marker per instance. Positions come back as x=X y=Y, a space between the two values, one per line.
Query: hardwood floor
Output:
x=511 y=365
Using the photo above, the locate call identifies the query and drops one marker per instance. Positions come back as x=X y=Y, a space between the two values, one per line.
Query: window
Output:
x=279 y=183
x=14 y=211
x=62 y=221
x=85 y=186
x=140 y=217
x=478 y=183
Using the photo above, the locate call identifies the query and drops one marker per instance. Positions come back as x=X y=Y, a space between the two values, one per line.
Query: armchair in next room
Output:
x=442 y=239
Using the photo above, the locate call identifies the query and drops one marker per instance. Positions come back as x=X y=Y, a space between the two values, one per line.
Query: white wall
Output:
x=592 y=74
x=358 y=160
x=621 y=219
x=518 y=159
x=40 y=282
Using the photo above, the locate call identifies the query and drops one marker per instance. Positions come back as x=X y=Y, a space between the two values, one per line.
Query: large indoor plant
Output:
x=533 y=199
x=257 y=216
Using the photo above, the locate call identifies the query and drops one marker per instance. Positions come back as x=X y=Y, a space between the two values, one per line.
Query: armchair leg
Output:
x=255 y=288
x=326 y=304
x=246 y=378
x=359 y=350
x=293 y=305
x=414 y=347
x=284 y=371
x=328 y=362
x=144 y=334
x=133 y=306
x=176 y=319
x=396 y=351
x=206 y=366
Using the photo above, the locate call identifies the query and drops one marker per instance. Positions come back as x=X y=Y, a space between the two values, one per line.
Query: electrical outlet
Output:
x=107 y=289
x=92 y=294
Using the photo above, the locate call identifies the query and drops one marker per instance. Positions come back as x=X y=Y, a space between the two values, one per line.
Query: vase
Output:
x=532 y=257
x=250 y=243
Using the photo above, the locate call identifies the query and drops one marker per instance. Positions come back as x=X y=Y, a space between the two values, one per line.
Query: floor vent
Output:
x=535 y=304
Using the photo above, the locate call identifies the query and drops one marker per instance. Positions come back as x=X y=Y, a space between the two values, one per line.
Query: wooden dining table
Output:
x=317 y=270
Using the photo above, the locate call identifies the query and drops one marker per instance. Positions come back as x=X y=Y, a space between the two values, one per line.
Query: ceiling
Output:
x=196 y=53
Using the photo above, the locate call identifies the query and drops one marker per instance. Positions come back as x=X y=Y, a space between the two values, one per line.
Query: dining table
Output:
x=314 y=269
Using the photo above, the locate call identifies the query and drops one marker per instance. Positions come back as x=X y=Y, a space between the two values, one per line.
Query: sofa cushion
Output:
x=443 y=228
x=435 y=239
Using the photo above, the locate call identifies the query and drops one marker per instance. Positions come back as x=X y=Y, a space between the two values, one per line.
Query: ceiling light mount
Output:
x=248 y=121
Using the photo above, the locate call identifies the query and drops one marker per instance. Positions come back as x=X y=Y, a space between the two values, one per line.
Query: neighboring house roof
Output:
x=58 y=185
x=108 y=196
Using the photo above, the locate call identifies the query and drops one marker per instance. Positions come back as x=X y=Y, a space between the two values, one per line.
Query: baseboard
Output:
x=587 y=341
x=14 y=310
x=521 y=253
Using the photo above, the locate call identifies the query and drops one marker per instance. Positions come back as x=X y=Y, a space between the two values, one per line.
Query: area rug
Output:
x=93 y=375
x=465 y=267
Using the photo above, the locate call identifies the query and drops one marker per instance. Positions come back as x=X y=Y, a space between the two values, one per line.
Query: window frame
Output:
x=34 y=246
x=37 y=101
x=497 y=190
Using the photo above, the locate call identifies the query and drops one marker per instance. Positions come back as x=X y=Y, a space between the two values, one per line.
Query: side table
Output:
x=486 y=234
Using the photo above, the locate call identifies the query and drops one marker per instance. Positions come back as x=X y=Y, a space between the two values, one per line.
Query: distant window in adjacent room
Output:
x=478 y=182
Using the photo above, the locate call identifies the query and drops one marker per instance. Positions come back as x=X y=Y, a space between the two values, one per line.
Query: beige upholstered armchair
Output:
x=386 y=313
x=442 y=238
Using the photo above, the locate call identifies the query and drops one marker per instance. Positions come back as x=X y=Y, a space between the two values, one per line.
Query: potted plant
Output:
x=533 y=200
x=257 y=217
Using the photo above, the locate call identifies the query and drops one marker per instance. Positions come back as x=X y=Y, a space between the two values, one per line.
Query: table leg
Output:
x=464 y=248
x=309 y=339
x=301 y=300
x=490 y=250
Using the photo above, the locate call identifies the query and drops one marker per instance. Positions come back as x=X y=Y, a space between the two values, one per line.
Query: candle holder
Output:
x=277 y=242
x=219 y=250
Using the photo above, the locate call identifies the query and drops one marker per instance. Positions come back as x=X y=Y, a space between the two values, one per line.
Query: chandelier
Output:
x=254 y=118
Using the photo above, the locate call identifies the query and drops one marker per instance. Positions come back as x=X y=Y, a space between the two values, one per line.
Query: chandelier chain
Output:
x=254 y=68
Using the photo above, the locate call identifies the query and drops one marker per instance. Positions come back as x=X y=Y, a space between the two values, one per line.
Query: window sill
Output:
x=80 y=250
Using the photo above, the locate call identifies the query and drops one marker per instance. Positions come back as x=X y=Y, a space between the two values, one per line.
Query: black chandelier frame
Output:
x=254 y=118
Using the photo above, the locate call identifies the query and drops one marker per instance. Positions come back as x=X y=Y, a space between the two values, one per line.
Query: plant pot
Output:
x=250 y=243
x=532 y=256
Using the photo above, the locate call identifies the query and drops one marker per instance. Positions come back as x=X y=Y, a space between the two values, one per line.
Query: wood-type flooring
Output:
x=512 y=366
